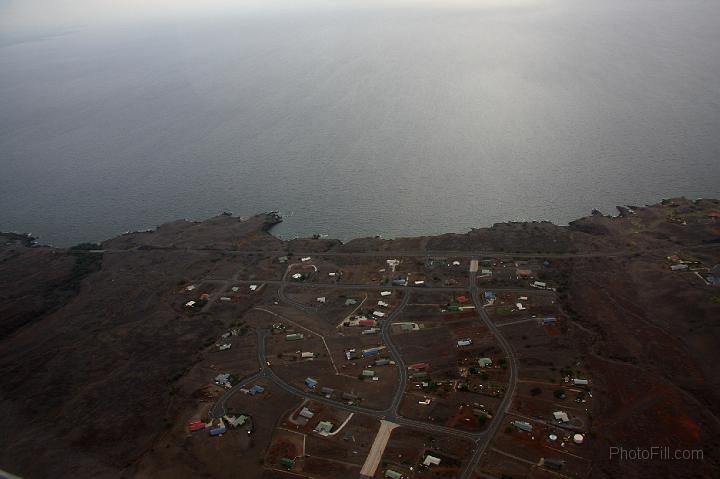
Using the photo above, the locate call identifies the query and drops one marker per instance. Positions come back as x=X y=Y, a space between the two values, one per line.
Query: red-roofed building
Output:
x=417 y=366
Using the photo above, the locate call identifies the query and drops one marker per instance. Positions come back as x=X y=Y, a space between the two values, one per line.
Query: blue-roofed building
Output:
x=256 y=390
x=489 y=295
x=714 y=280
x=310 y=382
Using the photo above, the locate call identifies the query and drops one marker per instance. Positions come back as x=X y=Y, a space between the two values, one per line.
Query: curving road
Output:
x=481 y=445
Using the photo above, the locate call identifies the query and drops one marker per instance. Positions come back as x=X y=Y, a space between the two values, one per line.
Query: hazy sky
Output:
x=23 y=15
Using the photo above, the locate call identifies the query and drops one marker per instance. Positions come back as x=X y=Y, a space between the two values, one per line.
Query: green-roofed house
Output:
x=288 y=463
x=522 y=425
x=324 y=427
x=294 y=337
x=282 y=259
x=485 y=362
x=368 y=373
x=393 y=474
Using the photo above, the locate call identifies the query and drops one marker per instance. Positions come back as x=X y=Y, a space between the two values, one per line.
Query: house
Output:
x=351 y=354
x=307 y=355
x=522 y=425
x=485 y=362
x=392 y=474
x=236 y=421
x=520 y=306
x=538 y=284
x=713 y=280
x=327 y=392
x=350 y=302
x=549 y=320
x=367 y=322
x=287 y=463
x=418 y=366
x=485 y=272
x=204 y=297
x=431 y=460
x=453 y=307
x=256 y=390
x=378 y=314
x=282 y=259
x=419 y=283
x=489 y=296
x=190 y=304
x=294 y=337
x=371 y=331
x=368 y=373
x=324 y=427
x=456 y=263
x=385 y=293
x=399 y=282
x=218 y=431
x=190 y=288
x=196 y=425
x=222 y=379
x=383 y=304
x=580 y=382
x=372 y=351
x=393 y=263
x=311 y=382
x=350 y=397
x=253 y=287
x=306 y=413
x=381 y=362
x=297 y=276
x=461 y=299
x=321 y=299
x=223 y=347
x=523 y=273
x=464 y=342
x=678 y=267
x=561 y=416
x=306 y=258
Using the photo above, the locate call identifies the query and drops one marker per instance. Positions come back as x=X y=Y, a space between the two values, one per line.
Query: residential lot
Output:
x=407 y=450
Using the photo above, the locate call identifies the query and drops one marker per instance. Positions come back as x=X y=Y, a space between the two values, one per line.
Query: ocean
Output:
x=393 y=119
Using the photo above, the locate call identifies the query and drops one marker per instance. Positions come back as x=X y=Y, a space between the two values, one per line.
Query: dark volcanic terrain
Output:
x=102 y=364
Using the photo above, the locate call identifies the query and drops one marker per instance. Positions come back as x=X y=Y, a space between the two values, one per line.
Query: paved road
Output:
x=399 y=362
x=357 y=286
x=482 y=443
x=395 y=254
x=218 y=410
x=376 y=451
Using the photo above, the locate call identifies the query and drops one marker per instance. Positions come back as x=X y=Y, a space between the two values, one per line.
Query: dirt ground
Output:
x=118 y=364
